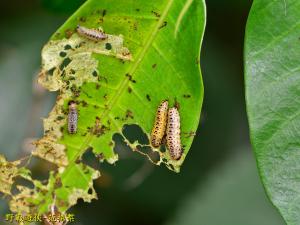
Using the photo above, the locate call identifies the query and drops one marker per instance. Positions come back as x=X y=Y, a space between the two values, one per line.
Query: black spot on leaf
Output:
x=148 y=97
x=129 y=114
x=155 y=13
x=163 y=24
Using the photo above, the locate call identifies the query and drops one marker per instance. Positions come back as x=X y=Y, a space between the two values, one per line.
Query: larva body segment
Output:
x=72 y=118
x=160 y=123
x=92 y=34
x=173 y=134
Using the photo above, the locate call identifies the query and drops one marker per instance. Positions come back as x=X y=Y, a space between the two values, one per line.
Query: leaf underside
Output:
x=151 y=54
x=272 y=59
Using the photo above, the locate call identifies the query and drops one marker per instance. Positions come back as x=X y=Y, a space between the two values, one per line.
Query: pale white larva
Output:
x=72 y=118
x=159 y=128
x=92 y=34
x=173 y=134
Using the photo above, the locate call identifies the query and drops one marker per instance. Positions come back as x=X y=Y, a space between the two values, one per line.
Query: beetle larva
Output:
x=173 y=134
x=160 y=123
x=72 y=118
x=92 y=34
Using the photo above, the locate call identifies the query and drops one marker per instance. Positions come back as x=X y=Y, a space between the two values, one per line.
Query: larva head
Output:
x=72 y=105
x=79 y=28
x=82 y=30
x=164 y=105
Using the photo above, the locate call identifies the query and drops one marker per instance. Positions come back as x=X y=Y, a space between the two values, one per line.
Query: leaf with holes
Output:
x=150 y=52
x=272 y=59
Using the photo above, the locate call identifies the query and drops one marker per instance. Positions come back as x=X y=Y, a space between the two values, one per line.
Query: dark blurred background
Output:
x=218 y=184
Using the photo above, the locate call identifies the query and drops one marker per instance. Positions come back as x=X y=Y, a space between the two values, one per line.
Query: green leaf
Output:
x=151 y=54
x=272 y=59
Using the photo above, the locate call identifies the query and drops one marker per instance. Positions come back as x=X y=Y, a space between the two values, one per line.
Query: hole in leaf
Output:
x=108 y=46
x=95 y=74
x=65 y=63
x=67 y=47
x=165 y=160
x=171 y=166
x=90 y=159
x=62 y=54
x=162 y=148
x=154 y=156
x=50 y=72
x=135 y=133
x=19 y=181
x=41 y=168
x=121 y=148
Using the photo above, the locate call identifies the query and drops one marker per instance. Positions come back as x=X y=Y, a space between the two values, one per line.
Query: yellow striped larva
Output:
x=72 y=118
x=92 y=34
x=173 y=134
x=160 y=123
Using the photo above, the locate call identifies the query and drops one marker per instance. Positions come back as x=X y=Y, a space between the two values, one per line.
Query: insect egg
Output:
x=72 y=118
x=160 y=122
x=92 y=34
x=173 y=134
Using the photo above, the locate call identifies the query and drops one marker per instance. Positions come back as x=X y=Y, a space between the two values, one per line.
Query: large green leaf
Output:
x=151 y=54
x=272 y=59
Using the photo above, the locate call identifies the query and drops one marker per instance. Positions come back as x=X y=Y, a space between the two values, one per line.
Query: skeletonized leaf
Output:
x=8 y=172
